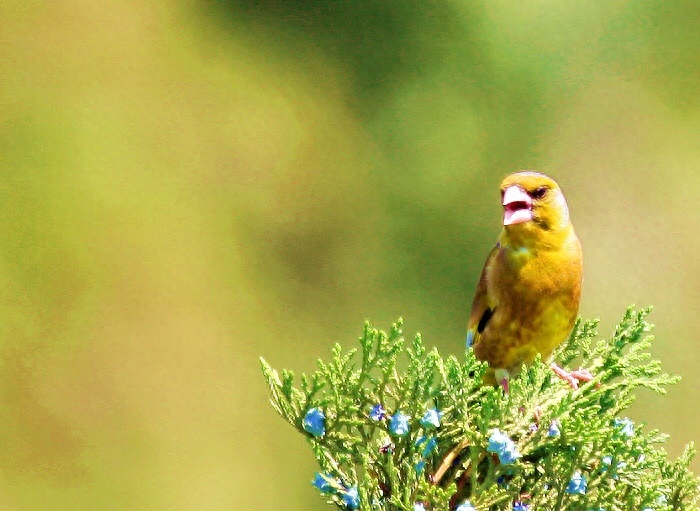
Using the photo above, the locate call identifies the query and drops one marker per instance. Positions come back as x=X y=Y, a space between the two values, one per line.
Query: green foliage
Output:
x=558 y=429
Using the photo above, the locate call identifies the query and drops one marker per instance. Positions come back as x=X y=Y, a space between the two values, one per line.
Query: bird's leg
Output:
x=583 y=375
x=503 y=378
x=564 y=375
x=573 y=377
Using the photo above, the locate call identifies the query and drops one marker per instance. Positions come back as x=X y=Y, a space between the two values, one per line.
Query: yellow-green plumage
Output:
x=527 y=299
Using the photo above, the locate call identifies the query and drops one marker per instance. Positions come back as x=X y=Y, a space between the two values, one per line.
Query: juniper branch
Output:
x=594 y=458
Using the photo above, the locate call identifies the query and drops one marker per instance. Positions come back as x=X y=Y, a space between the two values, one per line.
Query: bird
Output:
x=527 y=298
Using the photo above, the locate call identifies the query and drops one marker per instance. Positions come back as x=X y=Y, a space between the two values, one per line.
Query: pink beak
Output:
x=517 y=206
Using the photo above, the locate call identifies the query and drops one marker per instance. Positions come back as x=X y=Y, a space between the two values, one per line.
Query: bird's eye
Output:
x=539 y=193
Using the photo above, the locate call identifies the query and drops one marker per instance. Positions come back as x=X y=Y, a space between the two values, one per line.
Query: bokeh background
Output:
x=185 y=186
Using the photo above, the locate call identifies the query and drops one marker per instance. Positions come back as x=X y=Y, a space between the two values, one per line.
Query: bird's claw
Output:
x=573 y=377
x=583 y=375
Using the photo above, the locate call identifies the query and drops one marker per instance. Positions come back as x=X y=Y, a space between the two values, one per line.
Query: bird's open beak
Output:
x=517 y=206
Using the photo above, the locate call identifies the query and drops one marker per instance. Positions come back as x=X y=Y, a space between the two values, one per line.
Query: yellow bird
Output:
x=527 y=298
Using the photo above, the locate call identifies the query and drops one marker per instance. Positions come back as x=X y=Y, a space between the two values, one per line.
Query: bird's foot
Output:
x=503 y=379
x=564 y=375
x=573 y=377
x=581 y=374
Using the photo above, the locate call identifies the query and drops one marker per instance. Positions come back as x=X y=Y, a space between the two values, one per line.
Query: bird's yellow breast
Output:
x=534 y=294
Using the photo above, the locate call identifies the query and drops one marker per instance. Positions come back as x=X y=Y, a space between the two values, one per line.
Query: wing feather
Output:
x=482 y=305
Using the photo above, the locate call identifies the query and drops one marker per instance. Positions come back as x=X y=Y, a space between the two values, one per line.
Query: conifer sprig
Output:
x=433 y=437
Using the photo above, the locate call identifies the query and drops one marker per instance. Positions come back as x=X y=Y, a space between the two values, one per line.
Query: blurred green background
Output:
x=185 y=186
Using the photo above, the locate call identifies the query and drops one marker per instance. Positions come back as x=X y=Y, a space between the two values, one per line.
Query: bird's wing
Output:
x=482 y=306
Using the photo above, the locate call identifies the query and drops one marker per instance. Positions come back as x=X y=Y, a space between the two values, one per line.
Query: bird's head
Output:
x=531 y=199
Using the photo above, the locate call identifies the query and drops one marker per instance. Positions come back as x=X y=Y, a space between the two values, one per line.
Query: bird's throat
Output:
x=529 y=237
